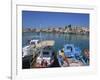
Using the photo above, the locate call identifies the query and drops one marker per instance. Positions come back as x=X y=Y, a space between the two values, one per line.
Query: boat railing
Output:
x=36 y=52
x=80 y=57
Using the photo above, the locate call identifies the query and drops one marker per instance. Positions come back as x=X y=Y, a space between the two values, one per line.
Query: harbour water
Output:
x=81 y=41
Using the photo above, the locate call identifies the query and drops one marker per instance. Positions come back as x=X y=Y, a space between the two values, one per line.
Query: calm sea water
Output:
x=81 y=41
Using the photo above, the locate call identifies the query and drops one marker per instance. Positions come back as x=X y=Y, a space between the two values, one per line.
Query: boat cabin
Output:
x=47 y=55
x=71 y=51
x=34 y=42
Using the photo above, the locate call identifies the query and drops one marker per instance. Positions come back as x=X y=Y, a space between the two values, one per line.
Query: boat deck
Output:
x=72 y=62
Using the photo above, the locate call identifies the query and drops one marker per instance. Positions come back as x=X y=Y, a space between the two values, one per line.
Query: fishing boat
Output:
x=45 y=56
x=86 y=56
x=70 y=56
x=27 y=50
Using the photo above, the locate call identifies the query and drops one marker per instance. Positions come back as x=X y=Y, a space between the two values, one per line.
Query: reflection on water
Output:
x=81 y=41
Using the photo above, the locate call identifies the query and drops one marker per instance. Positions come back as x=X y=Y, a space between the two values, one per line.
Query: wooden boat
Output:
x=70 y=56
x=86 y=56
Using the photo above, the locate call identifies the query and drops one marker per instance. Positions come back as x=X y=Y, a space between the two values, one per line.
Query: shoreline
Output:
x=68 y=30
x=57 y=32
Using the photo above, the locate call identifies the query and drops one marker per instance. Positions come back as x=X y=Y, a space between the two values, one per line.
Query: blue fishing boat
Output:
x=70 y=56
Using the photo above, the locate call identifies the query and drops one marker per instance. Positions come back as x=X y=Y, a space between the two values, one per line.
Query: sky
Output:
x=35 y=19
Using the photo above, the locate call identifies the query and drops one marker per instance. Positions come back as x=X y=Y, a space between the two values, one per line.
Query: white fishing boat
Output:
x=46 y=54
x=27 y=50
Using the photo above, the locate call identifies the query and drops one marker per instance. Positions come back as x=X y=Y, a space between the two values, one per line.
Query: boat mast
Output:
x=40 y=38
x=40 y=33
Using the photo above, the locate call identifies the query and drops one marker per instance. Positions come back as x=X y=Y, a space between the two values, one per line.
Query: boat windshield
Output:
x=32 y=42
x=69 y=48
x=46 y=54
